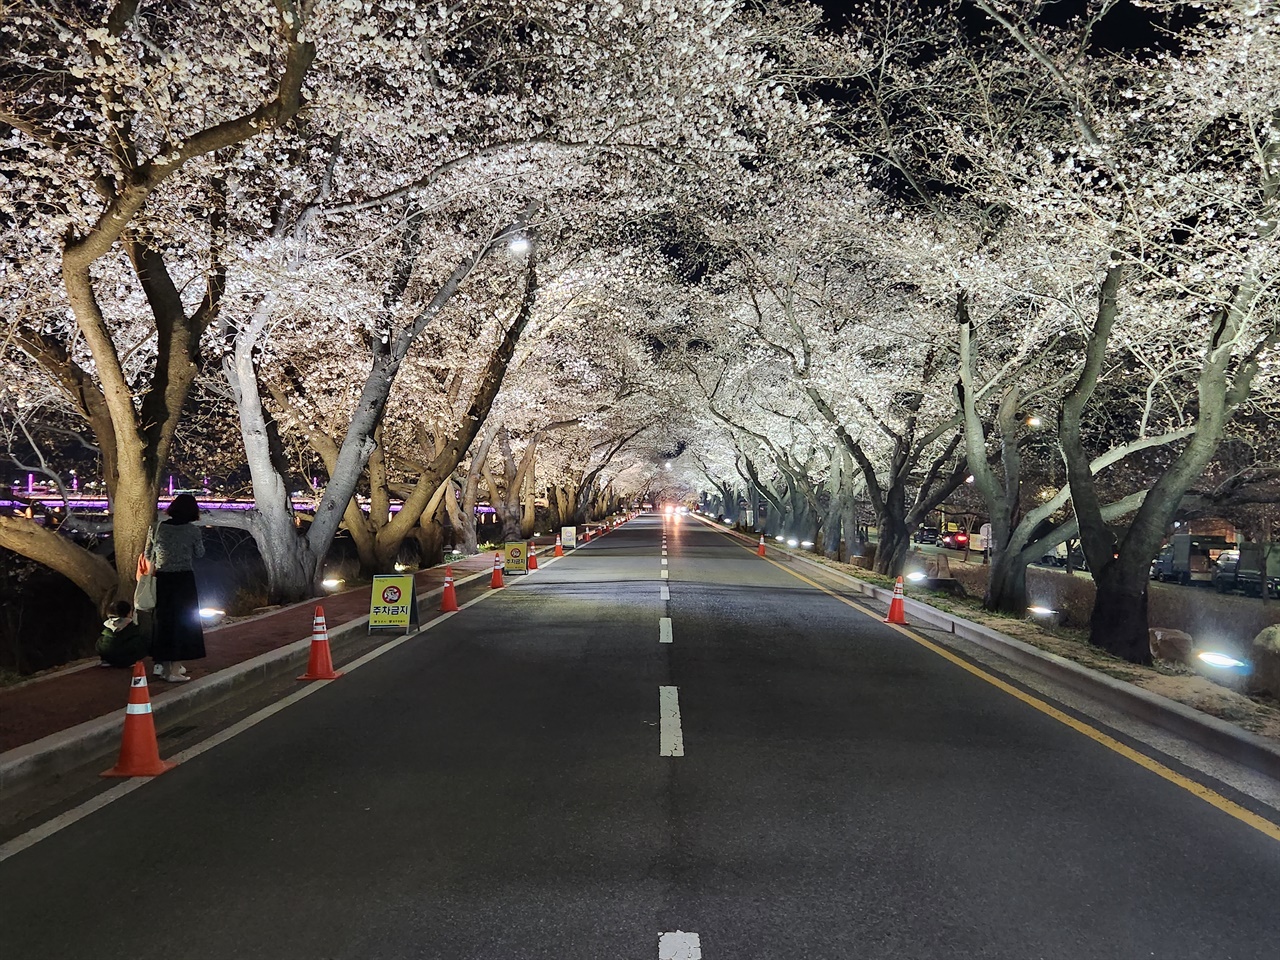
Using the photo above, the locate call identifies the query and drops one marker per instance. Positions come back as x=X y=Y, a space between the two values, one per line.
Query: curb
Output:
x=67 y=749
x=1223 y=738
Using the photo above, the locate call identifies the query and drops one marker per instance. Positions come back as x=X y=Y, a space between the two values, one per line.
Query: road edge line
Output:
x=1210 y=796
x=65 y=819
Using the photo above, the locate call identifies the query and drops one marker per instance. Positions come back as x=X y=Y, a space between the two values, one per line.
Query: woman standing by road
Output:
x=178 y=634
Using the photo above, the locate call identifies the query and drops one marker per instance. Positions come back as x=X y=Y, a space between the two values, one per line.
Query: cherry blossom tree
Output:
x=116 y=116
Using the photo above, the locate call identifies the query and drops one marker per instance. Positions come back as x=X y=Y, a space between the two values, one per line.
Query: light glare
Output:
x=1220 y=659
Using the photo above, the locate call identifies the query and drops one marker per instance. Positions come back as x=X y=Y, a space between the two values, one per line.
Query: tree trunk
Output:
x=529 y=513
x=291 y=567
x=1007 y=583
x=462 y=517
x=1119 y=620
x=564 y=510
x=430 y=534
x=891 y=551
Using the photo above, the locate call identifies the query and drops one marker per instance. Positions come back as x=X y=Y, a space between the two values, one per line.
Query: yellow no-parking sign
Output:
x=516 y=558
x=392 y=603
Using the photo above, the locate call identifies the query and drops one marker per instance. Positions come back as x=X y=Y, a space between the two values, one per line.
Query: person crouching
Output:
x=122 y=643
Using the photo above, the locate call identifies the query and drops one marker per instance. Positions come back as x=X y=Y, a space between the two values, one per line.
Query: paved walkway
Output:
x=64 y=699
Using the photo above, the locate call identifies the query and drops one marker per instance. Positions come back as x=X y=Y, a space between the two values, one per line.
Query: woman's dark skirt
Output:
x=177 y=633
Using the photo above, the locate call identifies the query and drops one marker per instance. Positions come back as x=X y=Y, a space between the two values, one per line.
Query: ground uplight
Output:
x=916 y=576
x=793 y=543
x=331 y=583
x=1222 y=660
x=211 y=613
x=1041 y=611
x=806 y=544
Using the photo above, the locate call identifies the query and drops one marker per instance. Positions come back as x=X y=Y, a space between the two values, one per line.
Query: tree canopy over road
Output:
x=849 y=266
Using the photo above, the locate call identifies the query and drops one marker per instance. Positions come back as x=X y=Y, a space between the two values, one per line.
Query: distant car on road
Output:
x=927 y=535
x=955 y=541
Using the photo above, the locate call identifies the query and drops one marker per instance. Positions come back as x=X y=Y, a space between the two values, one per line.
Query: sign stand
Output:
x=393 y=604
x=516 y=559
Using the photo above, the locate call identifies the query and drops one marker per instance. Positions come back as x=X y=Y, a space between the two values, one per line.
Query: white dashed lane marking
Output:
x=679 y=946
x=671 y=740
x=664 y=630
x=666 y=593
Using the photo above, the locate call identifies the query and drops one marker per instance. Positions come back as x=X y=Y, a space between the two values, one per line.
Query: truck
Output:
x=1241 y=569
x=1189 y=558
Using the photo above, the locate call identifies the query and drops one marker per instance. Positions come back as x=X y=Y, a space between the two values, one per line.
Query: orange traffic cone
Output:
x=139 y=752
x=320 y=661
x=449 y=598
x=533 y=557
x=586 y=536
x=760 y=549
x=559 y=547
x=496 y=580
x=897 y=608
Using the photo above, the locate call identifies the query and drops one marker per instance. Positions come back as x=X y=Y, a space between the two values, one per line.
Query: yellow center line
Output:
x=1212 y=797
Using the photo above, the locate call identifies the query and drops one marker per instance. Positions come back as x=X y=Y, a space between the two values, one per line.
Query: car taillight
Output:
x=962 y=538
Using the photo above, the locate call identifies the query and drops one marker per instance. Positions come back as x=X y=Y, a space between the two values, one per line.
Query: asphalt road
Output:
x=496 y=789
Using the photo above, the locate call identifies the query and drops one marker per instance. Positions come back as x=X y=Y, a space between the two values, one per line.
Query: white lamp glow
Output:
x=1220 y=660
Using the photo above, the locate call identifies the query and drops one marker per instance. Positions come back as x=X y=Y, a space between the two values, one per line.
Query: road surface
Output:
x=576 y=767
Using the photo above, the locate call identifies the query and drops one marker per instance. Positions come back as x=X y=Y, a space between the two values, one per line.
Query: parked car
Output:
x=1189 y=558
x=1058 y=557
x=927 y=535
x=1242 y=570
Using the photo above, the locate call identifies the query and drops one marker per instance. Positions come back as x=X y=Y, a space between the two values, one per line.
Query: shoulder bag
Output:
x=144 y=595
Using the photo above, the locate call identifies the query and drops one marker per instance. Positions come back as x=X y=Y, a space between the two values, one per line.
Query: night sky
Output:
x=1126 y=26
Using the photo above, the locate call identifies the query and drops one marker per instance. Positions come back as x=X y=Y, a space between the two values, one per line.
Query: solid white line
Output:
x=679 y=946
x=666 y=593
x=664 y=630
x=671 y=740
x=50 y=827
